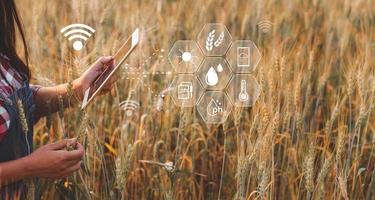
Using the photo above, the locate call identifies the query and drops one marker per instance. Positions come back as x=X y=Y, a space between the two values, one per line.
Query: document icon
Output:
x=243 y=56
x=185 y=90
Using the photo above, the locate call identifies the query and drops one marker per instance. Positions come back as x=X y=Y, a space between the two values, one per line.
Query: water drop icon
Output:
x=211 y=77
x=219 y=68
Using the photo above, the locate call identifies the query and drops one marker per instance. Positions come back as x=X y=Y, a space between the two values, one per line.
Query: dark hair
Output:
x=9 y=21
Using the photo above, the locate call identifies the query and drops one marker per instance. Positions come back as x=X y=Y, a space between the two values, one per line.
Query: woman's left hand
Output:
x=89 y=76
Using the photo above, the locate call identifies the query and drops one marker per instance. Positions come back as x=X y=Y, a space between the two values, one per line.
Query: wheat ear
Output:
x=219 y=39
x=309 y=168
x=123 y=165
x=210 y=40
x=321 y=192
x=21 y=113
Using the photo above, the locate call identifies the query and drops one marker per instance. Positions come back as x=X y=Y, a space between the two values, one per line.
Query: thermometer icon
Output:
x=243 y=96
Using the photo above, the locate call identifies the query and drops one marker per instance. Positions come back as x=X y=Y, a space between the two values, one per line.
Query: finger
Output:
x=110 y=83
x=80 y=147
x=105 y=90
x=113 y=79
x=76 y=154
x=112 y=63
x=70 y=170
x=74 y=168
x=105 y=60
x=69 y=163
x=102 y=63
x=108 y=88
x=61 y=144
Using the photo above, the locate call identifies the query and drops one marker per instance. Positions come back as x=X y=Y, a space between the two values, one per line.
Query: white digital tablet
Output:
x=119 y=58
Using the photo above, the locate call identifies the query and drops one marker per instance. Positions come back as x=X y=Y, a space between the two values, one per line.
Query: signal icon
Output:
x=129 y=106
x=265 y=26
x=78 y=33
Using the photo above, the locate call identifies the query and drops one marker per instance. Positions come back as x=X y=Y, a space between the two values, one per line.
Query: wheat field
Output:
x=310 y=135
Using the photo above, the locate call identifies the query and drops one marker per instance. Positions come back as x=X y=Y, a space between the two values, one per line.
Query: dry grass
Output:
x=311 y=135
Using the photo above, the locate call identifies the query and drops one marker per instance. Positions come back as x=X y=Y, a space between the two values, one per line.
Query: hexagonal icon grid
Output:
x=185 y=56
x=214 y=39
x=243 y=56
x=214 y=73
x=243 y=90
x=214 y=107
x=186 y=90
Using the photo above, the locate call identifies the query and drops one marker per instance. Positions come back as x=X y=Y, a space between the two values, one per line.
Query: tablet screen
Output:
x=119 y=58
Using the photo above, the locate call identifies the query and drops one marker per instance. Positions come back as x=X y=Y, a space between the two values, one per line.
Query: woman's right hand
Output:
x=54 y=161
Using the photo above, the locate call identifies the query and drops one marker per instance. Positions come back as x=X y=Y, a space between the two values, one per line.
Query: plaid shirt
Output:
x=10 y=81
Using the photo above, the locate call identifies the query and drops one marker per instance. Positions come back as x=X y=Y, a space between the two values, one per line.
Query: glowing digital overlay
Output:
x=78 y=34
x=214 y=74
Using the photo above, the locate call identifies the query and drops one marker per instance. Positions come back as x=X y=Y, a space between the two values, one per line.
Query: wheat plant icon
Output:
x=210 y=44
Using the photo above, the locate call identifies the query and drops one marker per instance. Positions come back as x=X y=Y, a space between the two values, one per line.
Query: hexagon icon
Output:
x=214 y=39
x=186 y=90
x=214 y=73
x=243 y=56
x=185 y=56
x=214 y=107
x=243 y=90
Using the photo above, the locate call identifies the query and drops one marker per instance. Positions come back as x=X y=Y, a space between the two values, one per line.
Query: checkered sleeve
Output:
x=4 y=121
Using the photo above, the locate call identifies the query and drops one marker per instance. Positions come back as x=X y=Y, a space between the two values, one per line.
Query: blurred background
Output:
x=311 y=134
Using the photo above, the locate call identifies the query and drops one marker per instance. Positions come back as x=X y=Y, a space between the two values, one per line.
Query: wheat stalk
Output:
x=157 y=146
x=309 y=168
x=30 y=189
x=241 y=175
x=210 y=41
x=302 y=91
x=361 y=84
x=350 y=83
x=340 y=145
x=22 y=116
x=123 y=166
x=321 y=191
x=237 y=116
x=361 y=118
x=342 y=186
x=219 y=39
x=264 y=181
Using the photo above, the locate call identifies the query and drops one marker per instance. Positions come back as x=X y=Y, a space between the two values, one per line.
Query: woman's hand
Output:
x=54 y=161
x=88 y=77
x=51 y=95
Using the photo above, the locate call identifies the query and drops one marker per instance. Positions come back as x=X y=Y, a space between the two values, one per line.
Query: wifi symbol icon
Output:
x=129 y=106
x=265 y=26
x=78 y=34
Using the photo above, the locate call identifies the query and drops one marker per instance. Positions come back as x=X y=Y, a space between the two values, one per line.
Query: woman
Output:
x=21 y=105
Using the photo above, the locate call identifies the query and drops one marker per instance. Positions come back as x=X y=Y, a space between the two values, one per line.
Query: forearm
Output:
x=15 y=170
x=50 y=99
